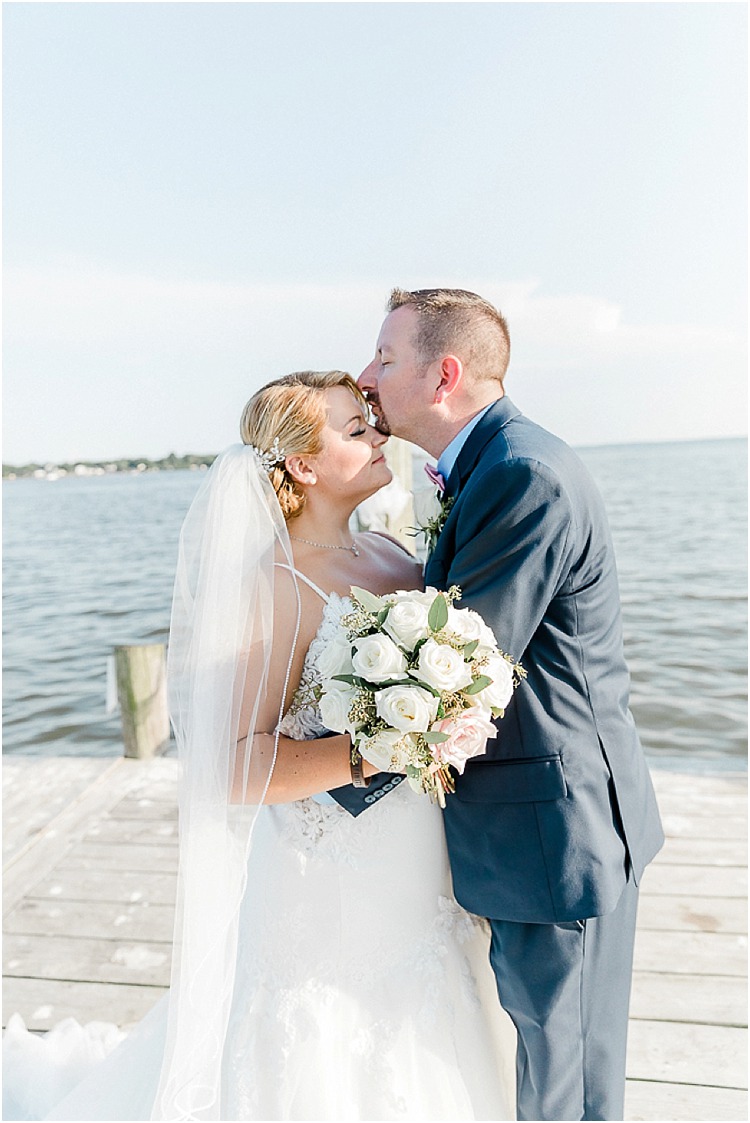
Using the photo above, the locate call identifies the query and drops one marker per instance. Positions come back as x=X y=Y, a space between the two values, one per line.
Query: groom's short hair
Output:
x=460 y=322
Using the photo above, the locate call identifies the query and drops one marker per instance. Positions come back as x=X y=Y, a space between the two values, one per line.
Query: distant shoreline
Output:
x=194 y=462
x=135 y=467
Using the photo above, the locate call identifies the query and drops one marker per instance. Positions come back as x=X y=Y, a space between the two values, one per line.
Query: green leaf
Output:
x=351 y=679
x=435 y=738
x=471 y=648
x=382 y=615
x=478 y=684
x=437 y=617
x=414 y=681
x=366 y=599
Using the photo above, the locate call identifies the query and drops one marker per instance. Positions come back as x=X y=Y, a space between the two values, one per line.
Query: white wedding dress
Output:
x=362 y=992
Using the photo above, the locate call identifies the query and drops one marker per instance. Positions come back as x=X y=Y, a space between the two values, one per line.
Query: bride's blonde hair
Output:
x=292 y=411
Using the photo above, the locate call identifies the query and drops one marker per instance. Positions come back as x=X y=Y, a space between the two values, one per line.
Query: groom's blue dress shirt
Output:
x=451 y=453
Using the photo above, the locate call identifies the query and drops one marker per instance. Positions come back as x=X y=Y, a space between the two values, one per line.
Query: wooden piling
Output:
x=141 y=672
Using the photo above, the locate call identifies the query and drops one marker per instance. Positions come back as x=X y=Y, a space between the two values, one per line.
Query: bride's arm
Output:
x=302 y=768
x=305 y=768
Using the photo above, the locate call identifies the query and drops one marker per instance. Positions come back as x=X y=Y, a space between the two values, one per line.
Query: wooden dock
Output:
x=90 y=854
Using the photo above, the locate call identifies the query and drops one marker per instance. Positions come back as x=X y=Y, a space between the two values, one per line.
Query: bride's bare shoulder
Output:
x=403 y=568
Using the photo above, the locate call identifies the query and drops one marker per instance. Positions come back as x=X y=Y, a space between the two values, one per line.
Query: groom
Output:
x=550 y=831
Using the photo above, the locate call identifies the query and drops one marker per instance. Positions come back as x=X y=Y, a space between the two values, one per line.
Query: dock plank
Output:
x=706 y=1000
x=127 y=856
x=99 y=885
x=692 y=953
x=691 y=851
x=87 y=960
x=676 y=1053
x=144 y=808
x=697 y=914
x=44 y=1002
x=116 y=830
x=677 y=825
x=101 y=919
x=701 y=881
x=649 y=1099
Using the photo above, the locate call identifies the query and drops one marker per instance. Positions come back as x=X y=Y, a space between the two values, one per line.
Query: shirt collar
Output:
x=450 y=455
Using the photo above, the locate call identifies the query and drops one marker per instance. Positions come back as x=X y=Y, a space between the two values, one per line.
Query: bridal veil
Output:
x=221 y=641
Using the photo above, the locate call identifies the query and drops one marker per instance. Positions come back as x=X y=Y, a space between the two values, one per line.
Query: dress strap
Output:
x=315 y=588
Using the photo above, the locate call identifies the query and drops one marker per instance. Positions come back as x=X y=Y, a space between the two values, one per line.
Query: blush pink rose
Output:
x=467 y=737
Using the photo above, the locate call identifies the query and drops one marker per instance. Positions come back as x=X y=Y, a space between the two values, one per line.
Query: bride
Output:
x=322 y=968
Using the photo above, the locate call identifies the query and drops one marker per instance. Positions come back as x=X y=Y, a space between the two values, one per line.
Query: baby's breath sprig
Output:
x=452 y=705
x=519 y=674
x=433 y=527
x=358 y=622
x=362 y=710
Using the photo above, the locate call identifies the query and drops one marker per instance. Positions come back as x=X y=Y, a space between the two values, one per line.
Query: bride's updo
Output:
x=292 y=412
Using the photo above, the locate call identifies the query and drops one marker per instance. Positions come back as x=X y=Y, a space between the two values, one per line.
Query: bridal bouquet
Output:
x=416 y=683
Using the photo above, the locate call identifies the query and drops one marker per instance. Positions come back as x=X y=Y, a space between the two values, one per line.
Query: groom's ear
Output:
x=450 y=372
x=301 y=470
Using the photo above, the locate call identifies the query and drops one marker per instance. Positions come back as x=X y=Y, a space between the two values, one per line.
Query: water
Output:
x=89 y=563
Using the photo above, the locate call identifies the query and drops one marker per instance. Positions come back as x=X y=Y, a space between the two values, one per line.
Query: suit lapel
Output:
x=498 y=415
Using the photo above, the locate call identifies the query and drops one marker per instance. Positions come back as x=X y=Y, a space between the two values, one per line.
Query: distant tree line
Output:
x=171 y=463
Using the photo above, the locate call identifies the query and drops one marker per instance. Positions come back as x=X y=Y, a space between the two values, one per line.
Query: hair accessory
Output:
x=270 y=459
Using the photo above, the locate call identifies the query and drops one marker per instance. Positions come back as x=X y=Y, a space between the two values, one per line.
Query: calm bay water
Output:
x=89 y=563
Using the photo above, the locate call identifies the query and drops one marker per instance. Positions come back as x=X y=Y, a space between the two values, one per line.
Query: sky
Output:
x=201 y=197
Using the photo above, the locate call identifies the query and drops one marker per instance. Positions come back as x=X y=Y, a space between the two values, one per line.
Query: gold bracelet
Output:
x=355 y=763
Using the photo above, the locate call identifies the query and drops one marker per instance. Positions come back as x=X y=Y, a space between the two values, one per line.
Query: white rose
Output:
x=441 y=667
x=469 y=625
x=406 y=622
x=336 y=657
x=500 y=690
x=427 y=505
x=421 y=596
x=387 y=750
x=377 y=658
x=406 y=708
x=334 y=705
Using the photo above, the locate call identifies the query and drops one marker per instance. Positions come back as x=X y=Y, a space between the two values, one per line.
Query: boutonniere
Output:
x=431 y=509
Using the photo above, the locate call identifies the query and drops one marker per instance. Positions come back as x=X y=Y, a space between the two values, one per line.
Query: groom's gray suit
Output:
x=549 y=832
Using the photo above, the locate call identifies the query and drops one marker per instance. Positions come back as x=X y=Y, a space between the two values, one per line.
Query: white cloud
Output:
x=89 y=307
x=85 y=341
x=574 y=325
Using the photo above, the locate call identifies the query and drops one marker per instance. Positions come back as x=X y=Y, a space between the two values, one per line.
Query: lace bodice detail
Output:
x=302 y=719
x=308 y=822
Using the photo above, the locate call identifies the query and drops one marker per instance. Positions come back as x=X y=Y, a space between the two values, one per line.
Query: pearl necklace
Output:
x=325 y=546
